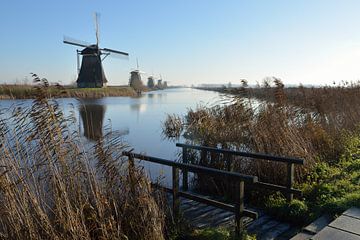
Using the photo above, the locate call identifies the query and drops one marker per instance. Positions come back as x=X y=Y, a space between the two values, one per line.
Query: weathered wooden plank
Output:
x=274 y=187
x=302 y=236
x=290 y=180
x=329 y=233
x=239 y=208
x=199 y=211
x=275 y=231
x=185 y=182
x=245 y=154
x=188 y=208
x=195 y=168
x=208 y=201
x=207 y=217
x=318 y=224
x=175 y=187
x=223 y=217
x=265 y=227
x=257 y=223
x=346 y=223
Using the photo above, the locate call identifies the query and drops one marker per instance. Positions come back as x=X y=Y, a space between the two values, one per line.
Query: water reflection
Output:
x=139 y=119
x=92 y=116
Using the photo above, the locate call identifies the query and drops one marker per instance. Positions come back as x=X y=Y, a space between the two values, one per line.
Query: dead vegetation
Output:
x=53 y=187
x=309 y=123
x=15 y=91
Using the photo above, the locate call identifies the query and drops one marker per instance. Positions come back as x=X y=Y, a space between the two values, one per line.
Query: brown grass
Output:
x=55 y=91
x=54 y=187
x=310 y=123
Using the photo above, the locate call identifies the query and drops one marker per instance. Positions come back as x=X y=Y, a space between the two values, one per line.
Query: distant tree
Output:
x=229 y=85
x=165 y=84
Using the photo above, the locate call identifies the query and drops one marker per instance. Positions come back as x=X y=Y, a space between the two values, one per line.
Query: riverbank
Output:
x=319 y=125
x=29 y=92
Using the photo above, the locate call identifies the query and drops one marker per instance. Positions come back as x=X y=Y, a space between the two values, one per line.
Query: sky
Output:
x=186 y=41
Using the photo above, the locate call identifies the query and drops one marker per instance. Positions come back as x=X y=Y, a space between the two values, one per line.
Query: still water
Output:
x=139 y=120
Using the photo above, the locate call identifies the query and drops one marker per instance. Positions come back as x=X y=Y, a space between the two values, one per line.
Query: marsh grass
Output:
x=15 y=91
x=309 y=123
x=53 y=187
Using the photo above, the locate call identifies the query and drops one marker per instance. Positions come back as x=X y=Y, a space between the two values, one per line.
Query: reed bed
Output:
x=52 y=186
x=14 y=91
x=309 y=123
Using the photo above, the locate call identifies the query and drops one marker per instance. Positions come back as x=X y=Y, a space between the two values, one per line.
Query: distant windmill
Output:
x=135 y=78
x=91 y=74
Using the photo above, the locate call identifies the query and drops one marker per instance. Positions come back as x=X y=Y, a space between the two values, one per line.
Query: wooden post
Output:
x=131 y=163
x=175 y=192
x=290 y=179
x=185 y=184
x=239 y=208
x=203 y=156
x=229 y=185
x=131 y=170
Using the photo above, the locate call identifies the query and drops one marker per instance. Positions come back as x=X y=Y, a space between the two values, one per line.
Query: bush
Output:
x=295 y=212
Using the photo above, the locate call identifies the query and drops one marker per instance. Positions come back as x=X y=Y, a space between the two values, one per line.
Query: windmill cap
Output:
x=90 y=49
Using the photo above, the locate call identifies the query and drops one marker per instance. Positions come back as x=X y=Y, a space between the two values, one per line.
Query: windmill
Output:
x=91 y=73
x=135 y=78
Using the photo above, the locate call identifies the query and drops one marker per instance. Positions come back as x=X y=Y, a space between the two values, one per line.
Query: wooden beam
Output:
x=245 y=154
x=195 y=168
x=239 y=208
x=175 y=193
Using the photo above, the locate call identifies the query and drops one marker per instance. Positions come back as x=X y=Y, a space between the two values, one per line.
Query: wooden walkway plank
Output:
x=302 y=236
x=276 y=231
x=318 y=224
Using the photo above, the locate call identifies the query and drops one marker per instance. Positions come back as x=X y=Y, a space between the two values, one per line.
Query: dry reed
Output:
x=310 y=123
x=53 y=187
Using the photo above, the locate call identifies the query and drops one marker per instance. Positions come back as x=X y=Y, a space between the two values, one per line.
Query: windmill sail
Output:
x=73 y=41
x=91 y=72
x=114 y=51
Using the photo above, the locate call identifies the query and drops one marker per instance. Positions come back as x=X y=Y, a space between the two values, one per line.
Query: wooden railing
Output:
x=290 y=162
x=239 y=180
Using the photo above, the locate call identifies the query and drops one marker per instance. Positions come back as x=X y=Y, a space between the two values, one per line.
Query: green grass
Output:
x=215 y=234
x=331 y=188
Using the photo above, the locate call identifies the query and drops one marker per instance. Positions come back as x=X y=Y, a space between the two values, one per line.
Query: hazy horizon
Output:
x=187 y=42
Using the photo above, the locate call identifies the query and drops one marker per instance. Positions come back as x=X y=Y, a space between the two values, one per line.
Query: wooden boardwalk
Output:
x=203 y=211
x=200 y=216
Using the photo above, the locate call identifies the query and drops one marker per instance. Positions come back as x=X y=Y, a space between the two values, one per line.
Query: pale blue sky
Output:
x=187 y=41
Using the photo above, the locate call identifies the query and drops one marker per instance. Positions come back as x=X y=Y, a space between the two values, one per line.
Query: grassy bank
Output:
x=320 y=125
x=54 y=187
x=29 y=92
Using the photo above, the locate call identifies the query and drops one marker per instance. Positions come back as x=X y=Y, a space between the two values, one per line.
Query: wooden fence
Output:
x=239 y=179
x=290 y=162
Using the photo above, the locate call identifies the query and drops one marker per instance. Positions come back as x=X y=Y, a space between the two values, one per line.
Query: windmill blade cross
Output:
x=72 y=41
x=115 y=51
x=96 y=20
